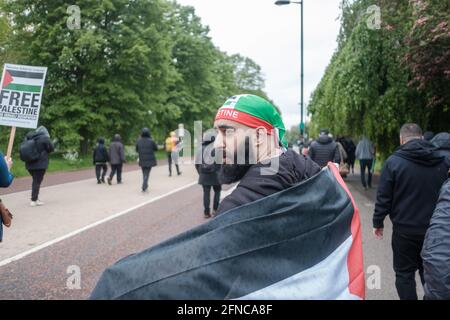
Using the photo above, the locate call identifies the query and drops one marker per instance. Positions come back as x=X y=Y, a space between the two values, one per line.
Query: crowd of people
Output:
x=412 y=188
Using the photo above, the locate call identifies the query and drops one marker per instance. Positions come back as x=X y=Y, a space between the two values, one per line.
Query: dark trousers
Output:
x=116 y=168
x=351 y=163
x=38 y=177
x=407 y=261
x=100 y=171
x=146 y=175
x=207 y=198
x=366 y=163
x=169 y=158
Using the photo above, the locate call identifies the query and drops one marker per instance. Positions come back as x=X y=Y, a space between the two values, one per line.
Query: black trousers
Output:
x=169 y=158
x=100 y=171
x=38 y=177
x=207 y=198
x=366 y=163
x=351 y=163
x=407 y=261
x=145 y=174
x=116 y=168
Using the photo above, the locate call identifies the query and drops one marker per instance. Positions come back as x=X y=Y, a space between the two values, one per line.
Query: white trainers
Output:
x=36 y=203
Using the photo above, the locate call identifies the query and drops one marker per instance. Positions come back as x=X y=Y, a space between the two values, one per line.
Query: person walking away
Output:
x=35 y=152
x=324 y=150
x=365 y=154
x=343 y=166
x=409 y=187
x=6 y=178
x=146 y=148
x=116 y=158
x=171 y=143
x=100 y=158
x=208 y=171
x=350 y=148
x=442 y=142
x=436 y=249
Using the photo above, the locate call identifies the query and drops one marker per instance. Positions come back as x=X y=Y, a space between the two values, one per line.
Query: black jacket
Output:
x=206 y=178
x=100 y=154
x=436 y=249
x=146 y=148
x=293 y=169
x=44 y=147
x=324 y=150
x=409 y=187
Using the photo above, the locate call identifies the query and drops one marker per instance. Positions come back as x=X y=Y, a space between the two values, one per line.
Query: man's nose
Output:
x=219 y=142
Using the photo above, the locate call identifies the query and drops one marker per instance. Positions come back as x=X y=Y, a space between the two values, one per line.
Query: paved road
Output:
x=87 y=227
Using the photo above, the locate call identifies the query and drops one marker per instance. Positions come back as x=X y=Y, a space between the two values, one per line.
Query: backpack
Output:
x=207 y=168
x=28 y=151
x=169 y=145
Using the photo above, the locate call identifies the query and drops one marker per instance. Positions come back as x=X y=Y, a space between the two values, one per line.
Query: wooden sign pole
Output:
x=11 y=142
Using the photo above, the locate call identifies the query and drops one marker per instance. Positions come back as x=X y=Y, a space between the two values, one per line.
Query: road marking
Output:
x=73 y=233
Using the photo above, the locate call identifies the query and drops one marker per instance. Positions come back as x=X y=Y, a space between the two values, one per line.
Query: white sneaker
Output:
x=33 y=204
x=39 y=203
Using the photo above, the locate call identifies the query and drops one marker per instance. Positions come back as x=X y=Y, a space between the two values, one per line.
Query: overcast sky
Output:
x=270 y=35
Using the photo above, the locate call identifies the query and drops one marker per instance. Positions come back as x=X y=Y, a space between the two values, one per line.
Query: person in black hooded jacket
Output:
x=208 y=172
x=146 y=148
x=324 y=150
x=100 y=158
x=408 y=190
x=38 y=167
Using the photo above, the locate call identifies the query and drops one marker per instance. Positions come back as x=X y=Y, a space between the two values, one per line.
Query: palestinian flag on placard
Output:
x=23 y=80
x=301 y=243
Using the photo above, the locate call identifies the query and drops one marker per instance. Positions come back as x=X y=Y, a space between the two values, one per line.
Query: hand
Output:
x=9 y=163
x=378 y=233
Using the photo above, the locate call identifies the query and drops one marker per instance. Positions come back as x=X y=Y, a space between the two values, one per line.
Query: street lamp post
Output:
x=282 y=3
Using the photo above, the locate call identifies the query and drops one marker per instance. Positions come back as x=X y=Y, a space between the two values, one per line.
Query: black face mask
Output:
x=231 y=173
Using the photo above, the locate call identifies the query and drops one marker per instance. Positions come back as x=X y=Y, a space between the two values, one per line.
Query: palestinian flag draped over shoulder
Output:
x=301 y=243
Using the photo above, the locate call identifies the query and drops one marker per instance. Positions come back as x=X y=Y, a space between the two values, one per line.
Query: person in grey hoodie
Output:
x=436 y=249
x=365 y=153
x=442 y=142
x=116 y=158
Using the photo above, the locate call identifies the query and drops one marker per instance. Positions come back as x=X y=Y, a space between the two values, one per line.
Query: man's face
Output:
x=233 y=141
x=234 y=144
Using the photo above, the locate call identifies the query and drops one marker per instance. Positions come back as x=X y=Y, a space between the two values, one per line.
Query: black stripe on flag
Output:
x=26 y=74
x=241 y=251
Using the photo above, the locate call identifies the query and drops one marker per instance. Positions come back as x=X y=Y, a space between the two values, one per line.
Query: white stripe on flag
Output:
x=327 y=280
x=28 y=81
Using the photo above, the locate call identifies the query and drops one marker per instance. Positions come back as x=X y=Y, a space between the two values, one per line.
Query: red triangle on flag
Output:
x=7 y=79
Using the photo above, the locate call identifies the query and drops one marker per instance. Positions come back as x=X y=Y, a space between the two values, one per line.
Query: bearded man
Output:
x=250 y=140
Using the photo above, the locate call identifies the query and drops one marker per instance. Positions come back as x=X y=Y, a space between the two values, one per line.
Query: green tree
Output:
x=369 y=86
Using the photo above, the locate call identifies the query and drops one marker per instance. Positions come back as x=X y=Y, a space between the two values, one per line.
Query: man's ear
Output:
x=261 y=136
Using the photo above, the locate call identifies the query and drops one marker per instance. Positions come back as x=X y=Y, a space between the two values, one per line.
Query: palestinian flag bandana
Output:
x=253 y=112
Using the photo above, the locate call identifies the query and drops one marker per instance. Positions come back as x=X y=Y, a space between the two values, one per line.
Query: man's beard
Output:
x=231 y=173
